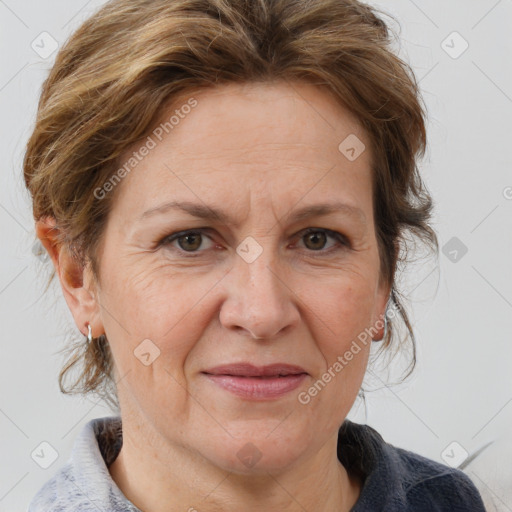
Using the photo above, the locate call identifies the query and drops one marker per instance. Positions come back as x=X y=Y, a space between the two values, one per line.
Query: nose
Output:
x=259 y=302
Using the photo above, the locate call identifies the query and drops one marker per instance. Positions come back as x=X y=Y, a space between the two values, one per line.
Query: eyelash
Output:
x=342 y=240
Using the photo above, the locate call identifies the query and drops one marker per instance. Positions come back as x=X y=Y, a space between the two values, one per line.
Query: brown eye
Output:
x=190 y=242
x=315 y=240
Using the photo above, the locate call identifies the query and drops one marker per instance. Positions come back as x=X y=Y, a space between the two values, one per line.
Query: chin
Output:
x=256 y=449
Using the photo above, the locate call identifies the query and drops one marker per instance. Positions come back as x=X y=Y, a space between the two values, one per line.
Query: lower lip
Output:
x=258 y=388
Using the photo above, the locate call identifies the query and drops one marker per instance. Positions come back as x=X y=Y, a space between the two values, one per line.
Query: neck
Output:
x=157 y=477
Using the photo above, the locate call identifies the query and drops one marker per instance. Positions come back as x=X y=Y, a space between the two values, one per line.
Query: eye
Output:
x=188 y=241
x=315 y=239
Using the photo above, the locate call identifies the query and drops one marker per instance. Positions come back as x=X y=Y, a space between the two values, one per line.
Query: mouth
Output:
x=257 y=383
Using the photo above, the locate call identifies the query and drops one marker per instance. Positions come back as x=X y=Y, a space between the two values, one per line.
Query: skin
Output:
x=260 y=152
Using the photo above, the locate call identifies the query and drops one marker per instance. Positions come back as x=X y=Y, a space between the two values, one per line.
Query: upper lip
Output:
x=249 y=370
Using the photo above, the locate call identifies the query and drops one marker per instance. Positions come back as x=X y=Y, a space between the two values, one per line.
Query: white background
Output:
x=462 y=387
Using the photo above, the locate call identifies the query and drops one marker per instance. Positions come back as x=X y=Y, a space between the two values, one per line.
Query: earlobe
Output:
x=74 y=278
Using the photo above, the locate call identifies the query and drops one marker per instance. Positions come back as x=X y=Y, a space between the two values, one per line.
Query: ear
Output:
x=77 y=283
x=381 y=302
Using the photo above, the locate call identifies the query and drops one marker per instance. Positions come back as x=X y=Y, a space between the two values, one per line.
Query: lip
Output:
x=249 y=370
x=257 y=382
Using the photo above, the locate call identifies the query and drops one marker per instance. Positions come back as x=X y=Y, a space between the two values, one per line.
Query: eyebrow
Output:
x=216 y=214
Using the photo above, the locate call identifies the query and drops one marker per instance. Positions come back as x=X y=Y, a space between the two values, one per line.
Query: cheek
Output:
x=354 y=312
x=154 y=321
x=341 y=308
x=154 y=300
x=151 y=311
x=341 y=313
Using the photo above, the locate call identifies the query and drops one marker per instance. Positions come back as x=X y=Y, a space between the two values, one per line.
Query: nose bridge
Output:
x=258 y=300
x=262 y=286
x=260 y=277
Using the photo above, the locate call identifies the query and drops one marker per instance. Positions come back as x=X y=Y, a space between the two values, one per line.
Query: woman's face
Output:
x=247 y=285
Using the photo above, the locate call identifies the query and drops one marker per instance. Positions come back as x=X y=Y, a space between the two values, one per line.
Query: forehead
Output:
x=244 y=141
x=275 y=113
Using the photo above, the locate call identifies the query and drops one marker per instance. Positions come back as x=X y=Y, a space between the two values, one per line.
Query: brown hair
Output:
x=116 y=72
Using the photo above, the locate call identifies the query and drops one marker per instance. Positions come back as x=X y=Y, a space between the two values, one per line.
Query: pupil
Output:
x=315 y=237
x=187 y=238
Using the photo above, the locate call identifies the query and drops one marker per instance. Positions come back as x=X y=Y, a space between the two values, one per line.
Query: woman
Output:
x=224 y=188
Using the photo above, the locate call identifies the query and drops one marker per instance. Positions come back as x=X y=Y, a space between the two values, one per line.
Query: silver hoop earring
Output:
x=385 y=326
x=89 y=333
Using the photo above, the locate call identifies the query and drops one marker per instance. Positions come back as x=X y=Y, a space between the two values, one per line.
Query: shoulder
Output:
x=58 y=493
x=434 y=486
x=84 y=484
x=400 y=480
x=492 y=471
